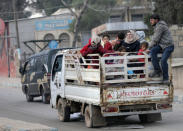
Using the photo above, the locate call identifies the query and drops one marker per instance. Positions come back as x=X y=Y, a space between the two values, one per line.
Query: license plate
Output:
x=135 y=94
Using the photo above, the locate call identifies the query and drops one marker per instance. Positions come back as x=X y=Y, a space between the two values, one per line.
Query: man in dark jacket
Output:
x=162 y=41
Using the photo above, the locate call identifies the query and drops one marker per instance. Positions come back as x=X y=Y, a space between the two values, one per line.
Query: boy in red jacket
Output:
x=105 y=42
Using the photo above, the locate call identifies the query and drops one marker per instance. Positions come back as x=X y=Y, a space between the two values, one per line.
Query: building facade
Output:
x=43 y=28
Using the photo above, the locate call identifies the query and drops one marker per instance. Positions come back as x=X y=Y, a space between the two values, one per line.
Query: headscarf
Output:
x=141 y=35
x=131 y=37
x=95 y=40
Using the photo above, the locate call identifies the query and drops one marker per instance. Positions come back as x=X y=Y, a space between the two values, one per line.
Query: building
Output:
x=130 y=10
x=53 y=27
x=113 y=28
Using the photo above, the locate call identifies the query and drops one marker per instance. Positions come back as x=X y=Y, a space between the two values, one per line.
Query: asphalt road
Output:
x=14 y=106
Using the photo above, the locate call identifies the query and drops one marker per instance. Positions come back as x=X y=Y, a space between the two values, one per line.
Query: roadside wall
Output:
x=177 y=70
x=177 y=33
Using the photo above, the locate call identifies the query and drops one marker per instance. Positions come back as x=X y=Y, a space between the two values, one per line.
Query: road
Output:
x=14 y=106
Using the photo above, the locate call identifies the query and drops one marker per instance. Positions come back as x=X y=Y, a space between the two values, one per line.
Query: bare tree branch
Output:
x=84 y=7
x=67 y=6
x=78 y=19
x=76 y=26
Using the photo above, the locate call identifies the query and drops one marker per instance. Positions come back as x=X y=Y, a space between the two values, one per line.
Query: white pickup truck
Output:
x=115 y=85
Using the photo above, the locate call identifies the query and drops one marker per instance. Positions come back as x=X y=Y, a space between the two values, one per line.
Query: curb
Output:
x=9 y=128
x=16 y=125
x=10 y=82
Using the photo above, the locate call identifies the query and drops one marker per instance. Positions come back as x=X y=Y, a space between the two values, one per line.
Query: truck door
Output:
x=57 y=80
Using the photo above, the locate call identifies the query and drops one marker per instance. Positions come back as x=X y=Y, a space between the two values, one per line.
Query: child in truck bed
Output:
x=143 y=48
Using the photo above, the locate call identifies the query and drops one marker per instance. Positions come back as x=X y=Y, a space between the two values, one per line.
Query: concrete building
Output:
x=113 y=28
x=130 y=10
x=42 y=28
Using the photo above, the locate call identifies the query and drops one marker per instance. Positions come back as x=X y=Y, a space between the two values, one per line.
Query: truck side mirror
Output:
x=45 y=68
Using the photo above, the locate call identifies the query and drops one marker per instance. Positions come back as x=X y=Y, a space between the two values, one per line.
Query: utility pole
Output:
x=16 y=27
x=7 y=47
x=127 y=13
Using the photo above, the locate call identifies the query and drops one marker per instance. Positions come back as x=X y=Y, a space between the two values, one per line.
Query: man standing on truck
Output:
x=162 y=41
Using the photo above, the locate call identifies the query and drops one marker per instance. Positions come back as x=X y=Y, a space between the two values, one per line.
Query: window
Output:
x=65 y=40
x=115 y=18
x=137 y=17
x=39 y=64
x=44 y=59
x=49 y=36
x=57 y=67
x=29 y=65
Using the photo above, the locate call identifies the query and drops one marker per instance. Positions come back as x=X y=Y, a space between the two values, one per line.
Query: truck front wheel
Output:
x=63 y=111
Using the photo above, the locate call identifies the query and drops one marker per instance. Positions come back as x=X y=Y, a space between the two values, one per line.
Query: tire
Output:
x=63 y=111
x=29 y=98
x=150 y=118
x=143 y=118
x=88 y=118
x=45 y=97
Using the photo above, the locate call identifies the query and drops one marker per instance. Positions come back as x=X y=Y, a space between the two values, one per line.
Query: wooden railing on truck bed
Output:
x=111 y=68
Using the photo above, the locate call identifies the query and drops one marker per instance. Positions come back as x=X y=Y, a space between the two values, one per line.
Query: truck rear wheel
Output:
x=148 y=118
x=93 y=117
x=88 y=117
x=63 y=111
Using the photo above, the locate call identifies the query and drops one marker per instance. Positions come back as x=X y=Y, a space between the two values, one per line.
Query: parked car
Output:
x=36 y=75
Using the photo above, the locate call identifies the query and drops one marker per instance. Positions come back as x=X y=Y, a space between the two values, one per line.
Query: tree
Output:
x=6 y=9
x=49 y=6
x=97 y=13
x=78 y=15
x=94 y=13
x=170 y=10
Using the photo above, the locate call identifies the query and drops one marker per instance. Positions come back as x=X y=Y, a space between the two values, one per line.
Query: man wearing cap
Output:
x=94 y=47
x=162 y=41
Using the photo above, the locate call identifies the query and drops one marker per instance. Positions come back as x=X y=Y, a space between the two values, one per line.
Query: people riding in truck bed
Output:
x=131 y=42
x=105 y=42
x=118 y=42
x=94 y=47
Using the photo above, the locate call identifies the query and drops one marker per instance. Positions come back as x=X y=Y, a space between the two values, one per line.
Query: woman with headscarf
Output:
x=131 y=42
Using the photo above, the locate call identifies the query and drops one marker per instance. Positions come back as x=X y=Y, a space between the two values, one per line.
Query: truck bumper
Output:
x=135 y=113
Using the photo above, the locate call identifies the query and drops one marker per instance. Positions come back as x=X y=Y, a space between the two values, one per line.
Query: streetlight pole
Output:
x=16 y=27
